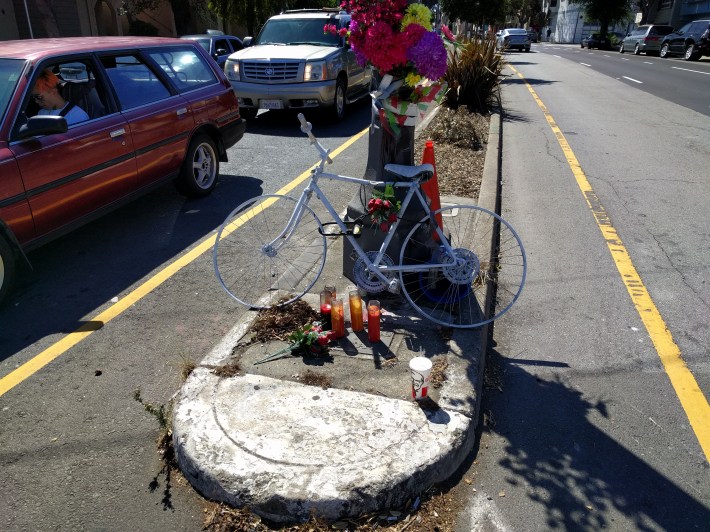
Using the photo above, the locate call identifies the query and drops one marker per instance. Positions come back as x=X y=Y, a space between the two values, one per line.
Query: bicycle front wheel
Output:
x=488 y=263
x=260 y=260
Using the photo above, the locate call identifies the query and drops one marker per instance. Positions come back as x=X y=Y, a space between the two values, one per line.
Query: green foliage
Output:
x=473 y=74
x=607 y=12
x=476 y=11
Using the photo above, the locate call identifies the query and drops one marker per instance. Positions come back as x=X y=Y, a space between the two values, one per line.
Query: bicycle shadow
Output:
x=568 y=465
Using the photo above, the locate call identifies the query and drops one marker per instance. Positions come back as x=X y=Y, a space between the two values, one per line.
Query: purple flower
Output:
x=429 y=56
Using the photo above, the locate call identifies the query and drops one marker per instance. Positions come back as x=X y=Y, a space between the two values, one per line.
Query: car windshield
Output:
x=204 y=42
x=10 y=71
x=297 y=31
x=517 y=32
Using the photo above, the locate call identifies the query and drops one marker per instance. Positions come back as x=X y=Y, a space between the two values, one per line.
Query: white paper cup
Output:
x=421 y=374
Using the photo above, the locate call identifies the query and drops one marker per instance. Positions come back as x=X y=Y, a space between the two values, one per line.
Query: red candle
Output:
x=373 y=320
x=326 y=323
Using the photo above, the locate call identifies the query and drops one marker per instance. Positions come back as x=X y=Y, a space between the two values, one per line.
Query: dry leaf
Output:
x=501 y=494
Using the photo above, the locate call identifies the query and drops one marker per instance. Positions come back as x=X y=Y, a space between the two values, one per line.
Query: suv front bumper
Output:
x=291 y=95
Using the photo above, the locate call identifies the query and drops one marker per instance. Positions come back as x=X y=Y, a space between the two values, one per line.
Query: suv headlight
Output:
x=315 y=71
x=231 y=70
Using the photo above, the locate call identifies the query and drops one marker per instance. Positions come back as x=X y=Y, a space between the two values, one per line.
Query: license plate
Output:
x=271 y=104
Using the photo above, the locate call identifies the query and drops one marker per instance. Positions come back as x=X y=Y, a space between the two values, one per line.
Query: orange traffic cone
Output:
x=431 y=187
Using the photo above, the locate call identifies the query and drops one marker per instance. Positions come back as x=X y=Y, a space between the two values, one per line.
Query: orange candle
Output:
x=337 y=315
x=356 y=311
x=373 y=320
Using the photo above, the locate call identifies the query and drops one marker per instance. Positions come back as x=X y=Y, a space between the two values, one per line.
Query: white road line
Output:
x=694 y=71
x=585 y=64
x=648 y=62
x=632 y=79
x=557 y=56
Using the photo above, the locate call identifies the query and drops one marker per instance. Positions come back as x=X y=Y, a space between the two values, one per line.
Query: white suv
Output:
x=298 y=61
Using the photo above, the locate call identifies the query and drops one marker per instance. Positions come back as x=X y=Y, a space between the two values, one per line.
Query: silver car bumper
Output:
x=286 y=95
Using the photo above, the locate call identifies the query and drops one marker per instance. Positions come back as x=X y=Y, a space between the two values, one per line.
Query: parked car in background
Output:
x=218 y=45
x=595 y=40
x=154 y=110
x=294 y=64
x=645 y=39
x=691 y=41
x=513 y=39
x=533 y=35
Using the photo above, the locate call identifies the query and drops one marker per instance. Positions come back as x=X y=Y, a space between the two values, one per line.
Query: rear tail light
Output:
x=651 y=38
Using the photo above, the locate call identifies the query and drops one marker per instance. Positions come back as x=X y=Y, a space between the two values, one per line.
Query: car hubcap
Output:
x=688 y=52
x=340 y=100
x=203 y=166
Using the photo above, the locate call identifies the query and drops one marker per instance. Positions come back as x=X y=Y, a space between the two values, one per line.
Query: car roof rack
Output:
x=214 y=32
x=313 y=10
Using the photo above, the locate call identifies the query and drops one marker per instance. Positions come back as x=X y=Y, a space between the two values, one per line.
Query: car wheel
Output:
x=527 y=49
x=248 y=114
x=637 y=49
x=339 y=100
x=200 y=168
x=690 y=54
x=664 y=50
x=621 y=48
x=7 y=267
x=582 y=45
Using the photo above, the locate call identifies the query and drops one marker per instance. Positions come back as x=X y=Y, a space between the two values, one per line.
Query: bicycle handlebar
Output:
x=307 y=128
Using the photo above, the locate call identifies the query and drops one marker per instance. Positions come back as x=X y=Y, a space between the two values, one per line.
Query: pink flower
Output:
x=323 y=340
x=378 y=203
x=392 y=218
x=447 y=33
x=384 y=227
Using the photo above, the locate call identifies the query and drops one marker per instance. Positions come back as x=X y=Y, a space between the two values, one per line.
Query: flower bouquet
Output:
x=309 y=340
x=383 y=208
x=398 y=41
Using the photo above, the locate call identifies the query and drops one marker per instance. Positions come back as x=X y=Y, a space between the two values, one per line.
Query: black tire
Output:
x=200 y=169
x=8 y=268
x=582 y=45
x=664 y=50
x=248 y=114
x=690 y=53
x=637 y=49
x=339 y=100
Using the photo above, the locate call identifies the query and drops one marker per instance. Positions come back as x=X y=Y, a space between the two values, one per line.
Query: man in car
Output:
x=46 y=94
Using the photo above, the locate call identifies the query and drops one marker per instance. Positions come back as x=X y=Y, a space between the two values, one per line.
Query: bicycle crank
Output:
x=369 y=281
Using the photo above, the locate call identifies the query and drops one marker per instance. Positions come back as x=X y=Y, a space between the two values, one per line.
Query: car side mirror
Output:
x=221 y=51
x=247 y=41
x=42 y=125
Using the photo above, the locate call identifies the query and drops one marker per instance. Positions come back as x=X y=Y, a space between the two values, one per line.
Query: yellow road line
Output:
x=29 y=368
x=683 y=381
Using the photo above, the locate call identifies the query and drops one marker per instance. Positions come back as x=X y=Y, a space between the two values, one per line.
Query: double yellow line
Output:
x=686 y=387
x=29 y=368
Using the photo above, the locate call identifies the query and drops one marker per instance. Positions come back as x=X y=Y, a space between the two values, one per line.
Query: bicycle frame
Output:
x=374 y=266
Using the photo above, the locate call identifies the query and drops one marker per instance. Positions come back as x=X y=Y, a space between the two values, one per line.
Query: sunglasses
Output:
x=38 y=97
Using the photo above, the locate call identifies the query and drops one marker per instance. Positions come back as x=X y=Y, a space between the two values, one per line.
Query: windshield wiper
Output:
x=275 y=43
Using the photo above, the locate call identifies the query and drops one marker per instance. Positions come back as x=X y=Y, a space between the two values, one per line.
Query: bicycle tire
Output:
x=456 y=296
x=260 y=277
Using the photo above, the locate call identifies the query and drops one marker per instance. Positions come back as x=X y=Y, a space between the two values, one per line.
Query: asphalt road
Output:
x=672 y=79
x=593 y=426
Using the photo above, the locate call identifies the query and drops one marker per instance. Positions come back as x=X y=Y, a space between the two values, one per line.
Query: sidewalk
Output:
x=285 y=449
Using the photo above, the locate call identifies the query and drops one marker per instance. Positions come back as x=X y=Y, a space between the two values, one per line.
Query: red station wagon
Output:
x=111 y=118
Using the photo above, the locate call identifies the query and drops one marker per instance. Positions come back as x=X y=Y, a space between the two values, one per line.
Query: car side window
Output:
x=69 y=89
x=684 y=29
x=221 y=47
x=187 y=69
x=133 y=81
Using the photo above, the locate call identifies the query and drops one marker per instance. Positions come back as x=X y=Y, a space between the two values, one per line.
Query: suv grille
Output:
x=272 y=71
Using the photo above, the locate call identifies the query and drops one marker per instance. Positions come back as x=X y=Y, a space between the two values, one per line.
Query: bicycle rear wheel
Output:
x=489 y=263
x=258 y=265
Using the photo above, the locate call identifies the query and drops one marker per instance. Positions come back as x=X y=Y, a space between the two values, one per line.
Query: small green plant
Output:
x=473 y=75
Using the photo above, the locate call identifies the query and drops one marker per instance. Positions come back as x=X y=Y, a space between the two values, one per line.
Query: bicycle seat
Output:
x=403 y=172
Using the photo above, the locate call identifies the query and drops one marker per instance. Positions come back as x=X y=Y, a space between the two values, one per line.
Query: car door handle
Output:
x=117 y=133
x=181 y=111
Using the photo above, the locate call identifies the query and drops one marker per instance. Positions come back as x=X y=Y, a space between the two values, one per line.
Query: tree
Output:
x=607 y=12
x=477 y=11
x=645 y=6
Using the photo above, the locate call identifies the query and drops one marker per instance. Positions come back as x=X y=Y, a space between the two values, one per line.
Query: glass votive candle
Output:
x=373 y=320
x=337 y=315
x=355 y=311
x=325 y=310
